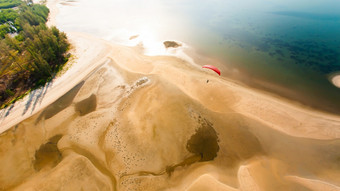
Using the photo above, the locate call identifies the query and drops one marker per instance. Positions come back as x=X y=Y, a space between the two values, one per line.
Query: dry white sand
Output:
x=52 y=5
x=120 y=120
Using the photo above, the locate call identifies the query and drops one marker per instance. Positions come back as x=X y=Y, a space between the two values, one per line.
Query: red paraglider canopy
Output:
x=211 y=67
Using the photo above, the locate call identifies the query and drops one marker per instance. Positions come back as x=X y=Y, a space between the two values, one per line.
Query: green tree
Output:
x=33 y=55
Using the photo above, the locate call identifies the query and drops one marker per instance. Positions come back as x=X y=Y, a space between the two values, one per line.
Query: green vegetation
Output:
x=30 y=52
x=4 y=4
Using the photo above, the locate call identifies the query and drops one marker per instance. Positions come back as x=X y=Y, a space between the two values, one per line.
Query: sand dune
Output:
x=120 y=120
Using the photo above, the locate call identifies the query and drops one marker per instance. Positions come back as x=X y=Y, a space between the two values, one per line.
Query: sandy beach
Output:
x=120 y=120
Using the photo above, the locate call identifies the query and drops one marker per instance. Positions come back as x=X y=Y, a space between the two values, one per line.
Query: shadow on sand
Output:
x=35 y=97
x=61 y=103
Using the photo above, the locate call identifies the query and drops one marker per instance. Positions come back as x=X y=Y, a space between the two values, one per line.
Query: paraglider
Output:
x=211 y=67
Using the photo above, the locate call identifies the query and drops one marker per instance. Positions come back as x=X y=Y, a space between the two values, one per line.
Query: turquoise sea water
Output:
x=287 y=47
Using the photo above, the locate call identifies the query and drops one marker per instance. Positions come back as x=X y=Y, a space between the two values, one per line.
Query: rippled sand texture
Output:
x=154 y=123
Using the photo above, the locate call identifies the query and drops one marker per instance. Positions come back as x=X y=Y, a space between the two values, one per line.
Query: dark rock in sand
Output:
x=171 y=44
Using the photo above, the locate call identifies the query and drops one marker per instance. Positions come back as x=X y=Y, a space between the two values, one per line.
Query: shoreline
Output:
x=155 y=47
x=52 y=5
x=132 y=117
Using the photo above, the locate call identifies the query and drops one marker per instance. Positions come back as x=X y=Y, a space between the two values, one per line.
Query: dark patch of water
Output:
x=204 y=142
x=87 y=105
x=48 y=154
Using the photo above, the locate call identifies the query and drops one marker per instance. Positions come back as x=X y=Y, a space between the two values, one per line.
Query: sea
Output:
x=286 y=47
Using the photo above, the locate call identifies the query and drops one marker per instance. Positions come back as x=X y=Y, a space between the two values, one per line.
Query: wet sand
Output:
x=120 y=120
